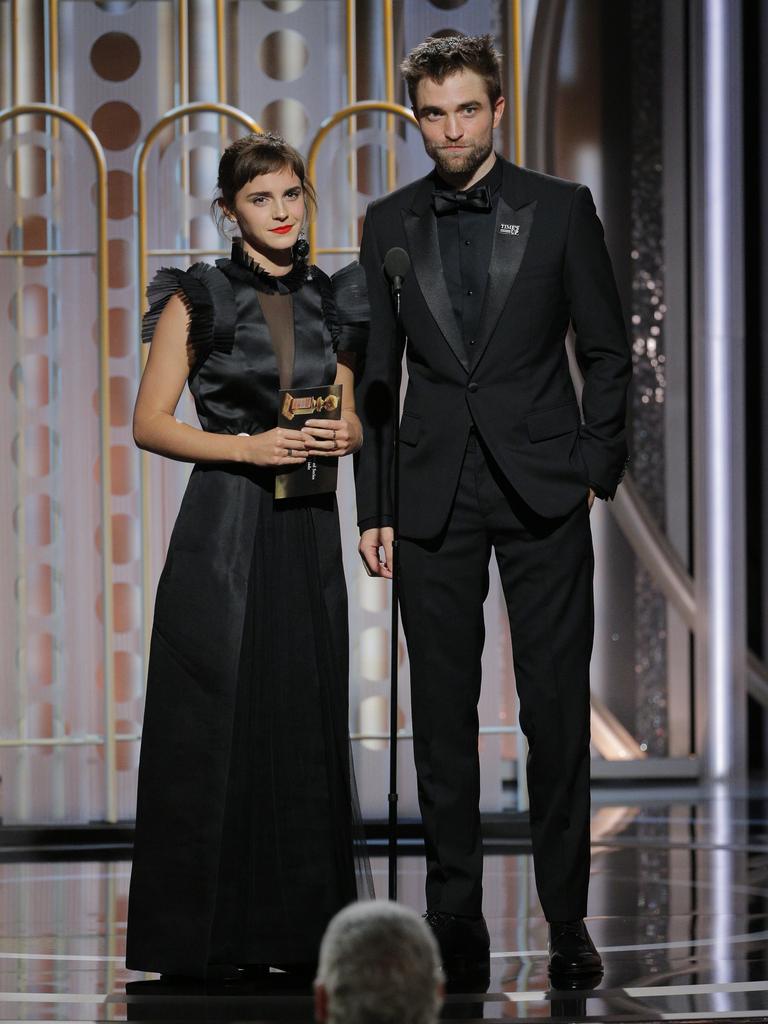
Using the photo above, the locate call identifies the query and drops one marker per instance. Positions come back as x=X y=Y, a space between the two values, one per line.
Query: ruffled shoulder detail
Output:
x=352 y=310
x=290 y=282
x=209 y=301
x=327 y=302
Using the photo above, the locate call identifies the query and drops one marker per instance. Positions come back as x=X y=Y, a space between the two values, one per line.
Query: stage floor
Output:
x=678 y=906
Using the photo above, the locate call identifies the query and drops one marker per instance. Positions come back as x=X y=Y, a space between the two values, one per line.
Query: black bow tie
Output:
x=444 y=201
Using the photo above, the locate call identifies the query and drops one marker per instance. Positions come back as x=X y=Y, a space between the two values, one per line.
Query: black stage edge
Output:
x=503 y=832
x=101 y=841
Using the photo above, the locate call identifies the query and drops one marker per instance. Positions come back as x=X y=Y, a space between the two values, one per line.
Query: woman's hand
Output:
x=277 y=447
x=333 y=437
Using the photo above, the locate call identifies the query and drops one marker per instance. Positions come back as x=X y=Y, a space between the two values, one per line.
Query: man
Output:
x=379 y=964
x=495 y=455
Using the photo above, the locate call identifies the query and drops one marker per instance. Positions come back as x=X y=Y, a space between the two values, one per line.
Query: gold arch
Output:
x=184 y=110
x=140 y=173
x=109 y=740
x=352 y=110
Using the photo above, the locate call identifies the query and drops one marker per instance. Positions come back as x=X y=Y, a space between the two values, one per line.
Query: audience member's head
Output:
x=379 y=964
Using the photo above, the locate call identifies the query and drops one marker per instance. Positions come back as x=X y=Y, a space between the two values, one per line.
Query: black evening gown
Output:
x=247 y=835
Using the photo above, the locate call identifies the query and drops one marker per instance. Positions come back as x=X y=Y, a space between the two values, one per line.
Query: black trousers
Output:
x=546 y=568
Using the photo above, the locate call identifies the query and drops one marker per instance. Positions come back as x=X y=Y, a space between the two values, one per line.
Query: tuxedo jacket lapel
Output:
x=514 y=218
x=424 y=248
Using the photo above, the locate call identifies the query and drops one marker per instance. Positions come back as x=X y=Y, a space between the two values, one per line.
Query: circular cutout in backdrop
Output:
x=116 y=124
x=288 y=118
x=284 y=55
x=115 y=56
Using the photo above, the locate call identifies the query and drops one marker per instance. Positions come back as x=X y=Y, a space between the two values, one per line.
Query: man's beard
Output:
x=463 y=163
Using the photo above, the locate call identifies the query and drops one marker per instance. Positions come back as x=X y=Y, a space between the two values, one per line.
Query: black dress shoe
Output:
x=572 y=953
x=252 y=972
x=464 y=942
x=299 y=970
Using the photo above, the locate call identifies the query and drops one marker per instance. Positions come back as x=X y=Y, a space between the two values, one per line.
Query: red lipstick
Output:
x=282 y=230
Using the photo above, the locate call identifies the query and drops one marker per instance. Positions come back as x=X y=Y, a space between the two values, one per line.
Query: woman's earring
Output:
x=301 y=248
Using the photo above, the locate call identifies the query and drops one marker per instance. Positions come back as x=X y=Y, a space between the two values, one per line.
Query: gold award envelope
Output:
x=318 y=474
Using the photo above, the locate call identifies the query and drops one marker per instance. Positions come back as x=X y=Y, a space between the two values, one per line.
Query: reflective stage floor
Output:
x=678 y=906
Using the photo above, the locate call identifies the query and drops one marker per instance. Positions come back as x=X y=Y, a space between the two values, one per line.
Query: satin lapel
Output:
x=424 y=248
x=510 y=238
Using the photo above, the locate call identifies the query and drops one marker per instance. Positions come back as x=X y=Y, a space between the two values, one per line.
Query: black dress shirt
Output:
x=466 y=239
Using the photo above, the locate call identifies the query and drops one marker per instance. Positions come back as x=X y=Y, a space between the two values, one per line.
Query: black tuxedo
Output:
x=495 y=455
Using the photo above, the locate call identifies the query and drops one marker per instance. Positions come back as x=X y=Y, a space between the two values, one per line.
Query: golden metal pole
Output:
x=221 y=71
x=351 y=47
x=183 y=48
x=53 y=77
x=52 y=167
x=389 y=91
x=179 y=113
x=351 y=56
x=361 y=107
x=110 y=758
x=182 y=45
x=22 y=776
x=53 y=52
x=517 y=70
x=15 y=47
x=49 y=110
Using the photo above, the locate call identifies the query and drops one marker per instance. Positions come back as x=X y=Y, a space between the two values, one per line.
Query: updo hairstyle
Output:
x=247 y=158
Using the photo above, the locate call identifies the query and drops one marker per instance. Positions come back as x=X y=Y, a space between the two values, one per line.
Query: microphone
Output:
x=397 y=263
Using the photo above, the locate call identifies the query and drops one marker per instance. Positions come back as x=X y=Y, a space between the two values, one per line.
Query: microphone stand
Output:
x=397 y=285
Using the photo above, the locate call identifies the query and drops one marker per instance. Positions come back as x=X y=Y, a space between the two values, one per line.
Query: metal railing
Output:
x=109 y=739
x=647 y=540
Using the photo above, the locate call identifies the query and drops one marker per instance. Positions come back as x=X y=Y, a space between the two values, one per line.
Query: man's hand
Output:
x=371 y=543
x=590 y=499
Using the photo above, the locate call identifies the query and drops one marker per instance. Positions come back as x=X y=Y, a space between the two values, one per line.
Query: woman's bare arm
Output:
x=345 y=375
x=155 y=427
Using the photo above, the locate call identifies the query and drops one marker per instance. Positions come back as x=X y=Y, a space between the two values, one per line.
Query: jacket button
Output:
x=473 y=387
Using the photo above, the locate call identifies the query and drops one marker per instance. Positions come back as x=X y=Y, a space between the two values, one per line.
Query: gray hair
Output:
x=380 y=964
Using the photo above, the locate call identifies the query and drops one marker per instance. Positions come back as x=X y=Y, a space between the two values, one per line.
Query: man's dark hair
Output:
x=440 y=56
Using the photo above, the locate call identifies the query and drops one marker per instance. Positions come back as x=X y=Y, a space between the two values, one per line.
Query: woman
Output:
x=244 y=846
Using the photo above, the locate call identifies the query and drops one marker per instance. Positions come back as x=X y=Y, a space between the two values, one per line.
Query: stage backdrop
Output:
x=114 y=180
